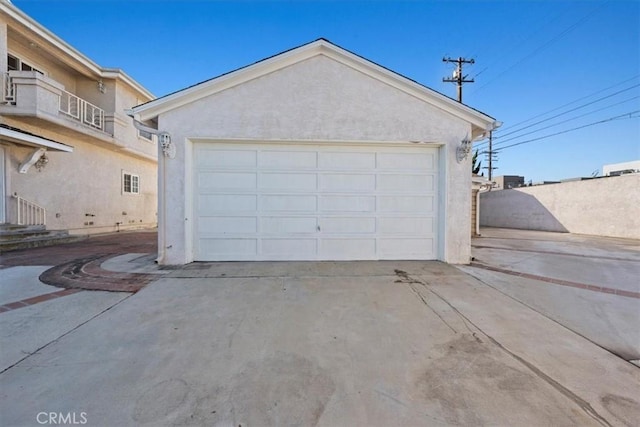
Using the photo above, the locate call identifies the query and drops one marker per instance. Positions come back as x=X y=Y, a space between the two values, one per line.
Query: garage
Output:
x=313 y=154
x=268 y=201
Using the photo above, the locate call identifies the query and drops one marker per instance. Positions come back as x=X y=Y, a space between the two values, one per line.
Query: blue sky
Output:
x=530 y=59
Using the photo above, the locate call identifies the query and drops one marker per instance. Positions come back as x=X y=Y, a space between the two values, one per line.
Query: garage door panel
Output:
x=280 y=225
x=341 y=182
x=223 y=248
x=408 y=204
x=288 y=181
x=348 y=225
x=210 y=204
x=295 y=160
x=345 y=249
x=288 y=203
x=228 y=224
x=406 y=248
x=304 y=248
x=402 y=161
x=347 y=204
x=349 y=161
x=214 y=158
x=405 y=183
x=227 y=180
x=404 y=225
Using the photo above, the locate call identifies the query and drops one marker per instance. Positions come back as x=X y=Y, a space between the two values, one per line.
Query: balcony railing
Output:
x=8 y=94
x=81 y=110
x=69 y=104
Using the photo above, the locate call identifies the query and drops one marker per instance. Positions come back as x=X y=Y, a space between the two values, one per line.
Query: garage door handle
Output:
x=318 y=227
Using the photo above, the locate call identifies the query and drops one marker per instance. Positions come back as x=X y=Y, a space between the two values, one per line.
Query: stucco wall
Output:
x=86 y=181
x=318 y=99
x=602 y=207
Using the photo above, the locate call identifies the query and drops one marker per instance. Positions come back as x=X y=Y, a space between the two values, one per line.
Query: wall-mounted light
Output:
x=463 y=150
x=101 y=86
x=41 y=162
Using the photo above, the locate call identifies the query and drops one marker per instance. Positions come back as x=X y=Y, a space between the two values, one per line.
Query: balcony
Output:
x=29 y=93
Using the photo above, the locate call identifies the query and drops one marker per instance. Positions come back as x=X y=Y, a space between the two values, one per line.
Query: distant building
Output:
x=616 y=169
x=505 y=182
x=545 y=182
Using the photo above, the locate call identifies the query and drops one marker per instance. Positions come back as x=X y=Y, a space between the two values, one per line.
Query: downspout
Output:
x=163 y=140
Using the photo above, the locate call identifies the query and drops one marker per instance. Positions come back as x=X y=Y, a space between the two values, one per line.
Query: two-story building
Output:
x=70 y=158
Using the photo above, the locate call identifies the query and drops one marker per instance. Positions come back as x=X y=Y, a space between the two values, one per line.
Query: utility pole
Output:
x=490 y=156
x=457 y=77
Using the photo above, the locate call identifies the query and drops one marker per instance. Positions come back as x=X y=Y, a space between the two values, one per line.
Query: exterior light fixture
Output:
x=101 y=86
x=41 y=163
x=463 y=150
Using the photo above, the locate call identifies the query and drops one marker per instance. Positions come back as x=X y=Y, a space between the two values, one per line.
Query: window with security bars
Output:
x=130 y=183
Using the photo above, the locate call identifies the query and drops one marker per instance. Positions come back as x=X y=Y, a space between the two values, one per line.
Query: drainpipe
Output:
x=164 y=140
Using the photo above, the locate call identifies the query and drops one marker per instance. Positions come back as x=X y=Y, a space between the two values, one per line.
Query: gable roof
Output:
x=481 y=122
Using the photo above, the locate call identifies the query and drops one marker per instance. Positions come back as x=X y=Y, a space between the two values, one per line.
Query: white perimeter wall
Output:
x=603 y=207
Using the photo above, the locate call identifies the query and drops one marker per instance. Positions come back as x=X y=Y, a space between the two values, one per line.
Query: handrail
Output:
x=8 y=88
x=81 y=110
x=30 y=213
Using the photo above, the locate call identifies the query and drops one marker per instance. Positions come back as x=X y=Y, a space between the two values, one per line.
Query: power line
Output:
x=544 y=46
x=568 y=120
x=565 y=112
x=520 y=42
x=567 y=104
x=569 y=111
x=629 y=115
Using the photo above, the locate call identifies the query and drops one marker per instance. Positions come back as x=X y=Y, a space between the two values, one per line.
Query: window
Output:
x=130 y=183
x=14 y=63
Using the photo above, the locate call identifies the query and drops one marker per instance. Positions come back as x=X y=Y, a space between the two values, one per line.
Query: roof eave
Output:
x=16 y=136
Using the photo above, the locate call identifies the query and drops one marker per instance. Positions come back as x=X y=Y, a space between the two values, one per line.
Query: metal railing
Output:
x=29 y=213
x=8 y=88
x=81 y=110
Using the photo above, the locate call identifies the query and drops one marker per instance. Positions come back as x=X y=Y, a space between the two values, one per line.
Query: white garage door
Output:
x=314 y=202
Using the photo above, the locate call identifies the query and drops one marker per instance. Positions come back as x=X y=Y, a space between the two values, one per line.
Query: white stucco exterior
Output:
x=316 y=94
x=53 y=108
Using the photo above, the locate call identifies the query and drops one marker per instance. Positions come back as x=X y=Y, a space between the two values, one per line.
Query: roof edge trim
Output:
x=318 y=47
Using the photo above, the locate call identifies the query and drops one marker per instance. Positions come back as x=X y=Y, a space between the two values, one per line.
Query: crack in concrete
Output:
x=584 y=405
x=428 y=289
x=410 y=281
x=546 y=315
x=65 y=334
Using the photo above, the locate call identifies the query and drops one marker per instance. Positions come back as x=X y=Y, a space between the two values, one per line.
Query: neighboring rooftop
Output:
x=621 y=168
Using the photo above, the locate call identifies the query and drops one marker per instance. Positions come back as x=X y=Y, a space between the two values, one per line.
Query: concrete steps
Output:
x=13 y=237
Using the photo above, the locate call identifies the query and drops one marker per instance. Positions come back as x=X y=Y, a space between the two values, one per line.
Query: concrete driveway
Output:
x=589 y=284
x=327 y=344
